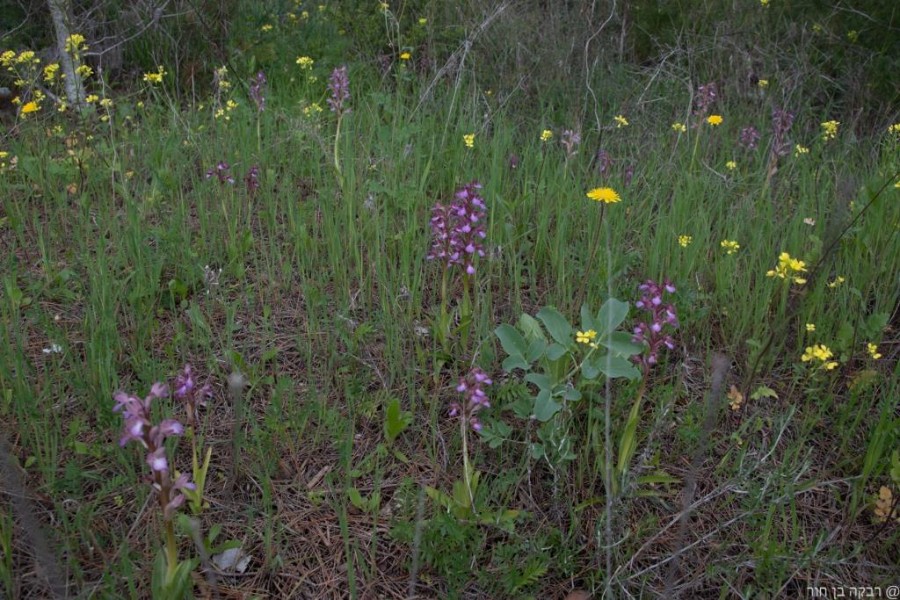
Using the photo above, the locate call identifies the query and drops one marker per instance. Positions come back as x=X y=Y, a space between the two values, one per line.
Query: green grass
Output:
x=326 y=304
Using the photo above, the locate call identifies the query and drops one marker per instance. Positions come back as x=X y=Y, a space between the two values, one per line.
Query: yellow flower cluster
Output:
x=731 y=165
x=586 y=337
x=75 y=44
x=469 y=140
x=730 y=246
x=821 y=353
x=895 y=129
x=788 y=268
x=546 y=135
x=800 y=150
x=679 y=127
x=829 y=130
x=685 y=240
x=604 y=194
x=312 y=110
x=223 y=111
x=153 y=78
x=837 y=282
x=50 y=72
x=872 y=349
x=305 y=62
x=810 y=327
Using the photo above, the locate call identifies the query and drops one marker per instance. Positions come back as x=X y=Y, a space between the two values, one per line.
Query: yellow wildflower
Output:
x=30 y=107
x=153 y=78
x=405 y=56
x=92 y=98
x=50 y=71
x=305 y=62
x=714 y=120
x=621 y=121
x=423 y=21
x=829 y=129
x=788 y=268
x=799 y=150
x=731 y=165
x=84 y=71
x=604 y=194
x=469 y=140
x=266 y=27
x=679 y=127
x=585 y=337
x=730 y=246
x=106 y=103
x=810 y=327
x=75 y=43
x=763 y=83
x=546 y=135
x=836 y=282
x=873 y=351
x=685 y=240
x=821 y=353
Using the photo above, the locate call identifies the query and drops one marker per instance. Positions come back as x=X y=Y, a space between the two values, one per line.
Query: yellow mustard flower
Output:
x=469 y=140
x=91 y=98
x=731 y=165
x=873 y=351
x=895 y=128
x=305 y=62
x=84 y=71
x=836 y=282
x=810 y=327
x=679 y=127
x=585 y=337
x=800 y=150
x=50 y=72
x=685 y=240
x=157 y=77
x=821 y=353
x=267 y=27
x=405 y=56
x=829 y=129
x=788 y=268
x=763 y=83
x=106 y=103
x=604 y=194
x=714 y=120
x=75 y=43
x=730 y=246
x=546 y=135
x=621 y=121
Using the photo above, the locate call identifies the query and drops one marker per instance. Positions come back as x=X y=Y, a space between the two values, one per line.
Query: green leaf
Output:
x=589 y=370
x=511 y=340
x=615 y=366
x=556 y=351
x=557 y=325
x=620 y=343
x=531 y=328
x=536 y=350
x=763 y=392
x=611 y=315
x=545 y=407
x=572 y=394
x=587 y=319
x=515 y=362
x=539 y=379
x=395 y=420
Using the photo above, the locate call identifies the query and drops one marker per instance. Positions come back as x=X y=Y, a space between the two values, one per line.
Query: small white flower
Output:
x=53 y=349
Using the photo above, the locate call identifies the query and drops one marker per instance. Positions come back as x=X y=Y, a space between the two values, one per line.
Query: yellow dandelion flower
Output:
x=605 y=195
x=30 y=107
x=714 y=120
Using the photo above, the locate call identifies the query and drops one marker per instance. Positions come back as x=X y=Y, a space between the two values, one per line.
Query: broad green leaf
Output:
x=531 y=328
x=587 y=319
x=557 y=325
x=536 y=350
x=511 y=340
x=539 y=379
x=545 y=407
x=556 y=351
x=572 y=394
x=615 y=366
x=620 y=343
x=589 y=370
x=515 y=362
x=395 y=420
x=611 y=315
